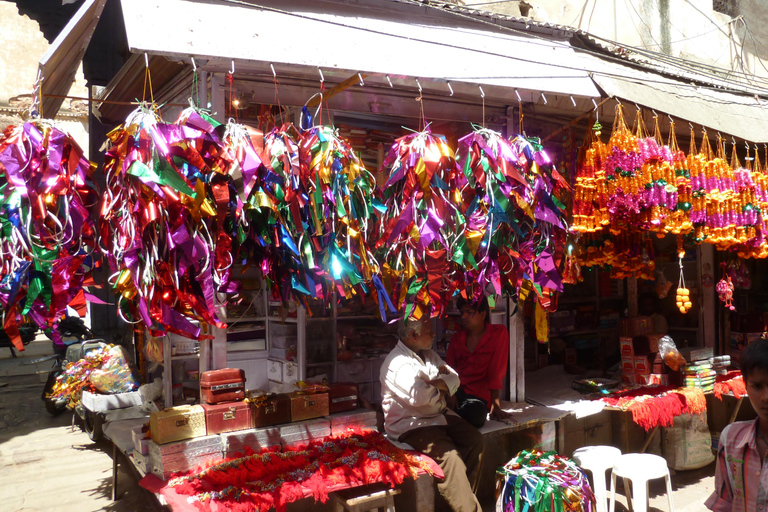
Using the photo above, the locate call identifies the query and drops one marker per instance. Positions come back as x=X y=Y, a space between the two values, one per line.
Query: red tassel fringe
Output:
x=658 y=406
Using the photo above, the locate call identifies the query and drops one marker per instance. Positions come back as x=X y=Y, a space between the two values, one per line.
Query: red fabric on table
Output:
x=183 y=492
x=483 y=369
x=658 y=405
x=732 y=382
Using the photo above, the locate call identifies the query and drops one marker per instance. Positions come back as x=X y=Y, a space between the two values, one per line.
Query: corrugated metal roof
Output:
x=529 y=24
x=60 y=63
x=355 y=39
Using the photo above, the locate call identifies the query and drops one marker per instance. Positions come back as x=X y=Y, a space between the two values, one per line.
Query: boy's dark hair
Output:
x=754 y=356
x=480 y=306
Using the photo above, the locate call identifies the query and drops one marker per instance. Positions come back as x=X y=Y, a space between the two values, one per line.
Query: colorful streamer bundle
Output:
x=545 y=247
x=490 y=225
x=496 y=211
x=324 y=208
x=732 y=382
x=103 y=370
x=48 y=237
x=515 y=225
x=163 y=219
x=420 y=226
x=542 y=482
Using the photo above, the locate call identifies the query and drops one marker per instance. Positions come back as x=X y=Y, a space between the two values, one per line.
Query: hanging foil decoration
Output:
x=164 y=220
x=320 y=206
x=48 y=237
x=421 y=228
x=495 y=202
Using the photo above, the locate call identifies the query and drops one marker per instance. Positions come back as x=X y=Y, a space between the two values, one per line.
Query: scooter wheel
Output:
x=93 y=423
x=53 y=407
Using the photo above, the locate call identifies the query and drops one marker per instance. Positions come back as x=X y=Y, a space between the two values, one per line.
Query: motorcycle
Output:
x=76 y=340
x=27 y=331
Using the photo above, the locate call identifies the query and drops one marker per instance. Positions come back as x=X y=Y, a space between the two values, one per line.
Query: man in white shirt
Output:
x=415 y=383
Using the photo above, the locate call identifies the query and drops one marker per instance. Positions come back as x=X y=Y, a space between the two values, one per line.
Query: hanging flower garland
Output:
x=420 y=229
x=166 y=202
x=48 y=237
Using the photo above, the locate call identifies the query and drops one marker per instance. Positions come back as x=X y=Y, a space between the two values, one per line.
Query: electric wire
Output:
x=657 y=55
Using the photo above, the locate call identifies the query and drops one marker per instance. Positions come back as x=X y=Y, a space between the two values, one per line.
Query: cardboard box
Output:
x=628 y=378
x=625 y=347
x=654 y=379
x=359 y=419
x=627 y=364
x=697 y=354
x=653 y=342
x=642 y=367
x=635 y=326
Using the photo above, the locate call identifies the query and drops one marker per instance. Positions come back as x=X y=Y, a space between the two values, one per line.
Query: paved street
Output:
x=47 y=465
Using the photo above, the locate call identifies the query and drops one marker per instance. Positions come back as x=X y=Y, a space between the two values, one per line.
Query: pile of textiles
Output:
x=657 y=406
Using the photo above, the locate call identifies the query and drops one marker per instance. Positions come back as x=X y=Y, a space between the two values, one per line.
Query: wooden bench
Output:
x=362 y=499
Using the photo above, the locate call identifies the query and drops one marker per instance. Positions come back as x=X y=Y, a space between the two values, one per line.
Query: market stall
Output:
x=290 y=162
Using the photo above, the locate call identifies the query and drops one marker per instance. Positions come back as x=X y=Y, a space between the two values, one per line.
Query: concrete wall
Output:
x=21 y=46
x=688 y=29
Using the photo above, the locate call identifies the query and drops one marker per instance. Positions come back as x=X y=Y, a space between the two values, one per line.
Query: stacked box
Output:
x=720 y=364
x=654 y=379
x=361 y=419
x=257 y=439
x=642 y=367
x=625 y=347
x=635 y=326
x=295 y=434
x=183 y=456
x=142 y=462
x=699 y=375
x=697 y=354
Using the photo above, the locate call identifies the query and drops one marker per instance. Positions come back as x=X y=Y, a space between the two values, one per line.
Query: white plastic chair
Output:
x=597 y=460
x=640 y=468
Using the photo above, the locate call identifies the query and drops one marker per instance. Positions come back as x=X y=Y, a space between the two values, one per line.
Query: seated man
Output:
x=480 y=355
x=415 y=383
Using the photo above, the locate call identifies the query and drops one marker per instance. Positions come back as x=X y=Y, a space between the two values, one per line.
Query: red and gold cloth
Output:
x=268 y=480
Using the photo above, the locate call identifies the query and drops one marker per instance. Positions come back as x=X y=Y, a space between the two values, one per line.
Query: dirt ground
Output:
x=46 y=464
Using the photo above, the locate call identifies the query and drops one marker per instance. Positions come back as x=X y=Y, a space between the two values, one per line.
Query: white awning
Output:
x=60 y=63
x=402 y=40
x=742 y=116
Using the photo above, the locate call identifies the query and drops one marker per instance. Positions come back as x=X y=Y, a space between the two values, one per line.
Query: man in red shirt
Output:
x=479 y=353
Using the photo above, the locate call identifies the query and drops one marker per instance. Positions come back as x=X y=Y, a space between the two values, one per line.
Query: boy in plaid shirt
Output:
x=741 y=478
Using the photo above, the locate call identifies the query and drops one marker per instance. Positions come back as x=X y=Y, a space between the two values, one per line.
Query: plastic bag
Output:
x=115 y=374
x=668 y=350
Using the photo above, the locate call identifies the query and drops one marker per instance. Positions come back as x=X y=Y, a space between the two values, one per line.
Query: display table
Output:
x=419 y=491
x=535 y=427
x=119 y=433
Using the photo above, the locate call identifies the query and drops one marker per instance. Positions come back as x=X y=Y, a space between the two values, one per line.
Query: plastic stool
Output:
x=597 y=460
x=640 y=468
